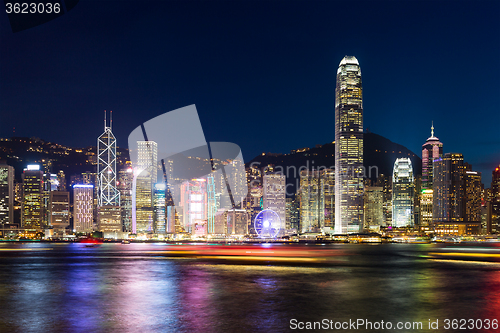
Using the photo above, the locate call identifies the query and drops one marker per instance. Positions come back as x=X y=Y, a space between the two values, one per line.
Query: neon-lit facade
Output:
x=403 y=193
x=348 y=147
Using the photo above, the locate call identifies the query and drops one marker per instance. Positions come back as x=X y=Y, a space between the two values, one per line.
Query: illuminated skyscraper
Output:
x=312 y=201
x=146 y=173
x=450 y=196
x=6 y=194
x=59 y=211
x=194 y=201
x=348 y=147
x=473 y=194
x=159 y=208
x=125 y=181
x=374 y=207
x=432 y=149
x=274 y=195
x=108 y=194
x=83 y=211
x=211 y=204
x=403 y=192
x=493 y=216
x=32 y=209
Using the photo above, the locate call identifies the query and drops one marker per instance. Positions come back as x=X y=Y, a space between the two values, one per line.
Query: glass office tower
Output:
x=348 y=147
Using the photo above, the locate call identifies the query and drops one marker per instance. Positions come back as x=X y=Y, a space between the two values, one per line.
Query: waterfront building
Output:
x=59 y=211
x=145 y=176
x=403 y=192
x=493 y=220
x=312 y=201
x=83 y=208
x=348 y=147
x=432 y=149
x=159 y=209
x=194 y=203
x=274 y=195
x=237 y=222
x=473 y=194
x=450 y=196
x=32 y=192
x=6 y=194
x=109 y=220
x=108 y=196
x=374 y=208
x=124 y=184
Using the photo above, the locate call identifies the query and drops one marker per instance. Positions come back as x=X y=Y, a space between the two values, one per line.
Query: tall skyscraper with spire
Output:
x=348 y=147
x=432 y=149
x=108 y=194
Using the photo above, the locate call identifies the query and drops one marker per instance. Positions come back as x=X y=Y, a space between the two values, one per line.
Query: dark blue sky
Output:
x=261 y=73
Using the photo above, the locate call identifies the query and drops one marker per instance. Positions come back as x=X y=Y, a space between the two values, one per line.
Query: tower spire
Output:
x=110 y=119
x=432 y=129
x=105 y=124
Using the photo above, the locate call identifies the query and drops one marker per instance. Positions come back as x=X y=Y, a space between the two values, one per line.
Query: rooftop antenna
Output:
x=432 y=129
x=105 y=123
x=110 y=119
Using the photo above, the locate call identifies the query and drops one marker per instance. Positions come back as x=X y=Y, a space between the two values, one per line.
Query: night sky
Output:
x=261 y=73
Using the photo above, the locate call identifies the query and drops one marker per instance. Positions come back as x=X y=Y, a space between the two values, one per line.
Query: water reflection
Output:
x=135 y=288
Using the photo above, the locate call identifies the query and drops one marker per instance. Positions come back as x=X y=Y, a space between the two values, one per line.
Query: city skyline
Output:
x=396 y=75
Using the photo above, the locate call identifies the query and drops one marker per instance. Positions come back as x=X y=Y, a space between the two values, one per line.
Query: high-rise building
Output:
x=374 y=207
x=328 y=188
x=432 y=149
x=61 y=181
x=386 y=183
x=450 y=197
x=159 y=209
x=473 y=194
x=59 y=211
x=403 y=192
x=194 y=203
x=108 y=194
x=348 y=147
x=6 y=194
x=293 y=212
x=83 y=211
x=145 y=176
x=312 y=201
x=237 y=222
x=109 y=220
x=211 y=204
x=493 y=216
x=274 y=195
x=426 y=199
x=125 y=181
x=32 y=191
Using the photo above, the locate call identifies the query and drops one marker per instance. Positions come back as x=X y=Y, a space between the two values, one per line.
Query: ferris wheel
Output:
x=267 y=224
